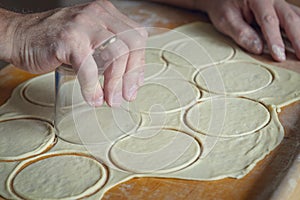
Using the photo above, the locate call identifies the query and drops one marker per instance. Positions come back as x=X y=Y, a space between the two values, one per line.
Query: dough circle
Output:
x=40 y=90
x=170 y=95
x=234 y=78
x=57 y=175
x=154 y=65
x=95 y=125
x=22 y=138
x=227 y=117
x=155 y=151
x=209 y=51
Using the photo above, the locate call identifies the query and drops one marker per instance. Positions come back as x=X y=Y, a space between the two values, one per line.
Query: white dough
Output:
x=171 y=130
x=155 y=150
x=164 y=96
x=227 y=117
x=57 y=176
x=234 y=78
x=23 y=138
x=206 y=51
x=96 y=125
x=40 y=90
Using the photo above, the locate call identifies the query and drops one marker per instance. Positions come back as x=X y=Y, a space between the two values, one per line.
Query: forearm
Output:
x=189 y=4
x=7 y=23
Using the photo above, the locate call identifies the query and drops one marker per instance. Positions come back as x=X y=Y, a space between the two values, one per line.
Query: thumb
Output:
x=87 y=74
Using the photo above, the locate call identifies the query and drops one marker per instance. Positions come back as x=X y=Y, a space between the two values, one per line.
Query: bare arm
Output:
x=40 y=42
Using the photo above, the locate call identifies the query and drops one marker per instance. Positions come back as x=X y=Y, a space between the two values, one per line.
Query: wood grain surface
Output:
x=260 y=183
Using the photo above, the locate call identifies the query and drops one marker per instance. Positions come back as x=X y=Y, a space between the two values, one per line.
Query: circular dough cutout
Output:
x=24 y=137
x=227 y=117
x=234 y=78
x=197 y=51
x=40 y=90
x=57 y=176
x=170 y=95
x=155 y=151
x=154 y=65
x=96 y=125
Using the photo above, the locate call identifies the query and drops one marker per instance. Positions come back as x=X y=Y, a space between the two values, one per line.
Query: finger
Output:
x=136 y=60
x=135 y=38
x=288 y=19
x=268 y=21
x=233 y=25
x=296 y=9
x=134 y=75
x=117 y=55
x=87 y=74
x=110 y=8
x=247 y=13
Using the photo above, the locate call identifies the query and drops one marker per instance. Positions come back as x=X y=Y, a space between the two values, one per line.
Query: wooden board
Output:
x=273 y=174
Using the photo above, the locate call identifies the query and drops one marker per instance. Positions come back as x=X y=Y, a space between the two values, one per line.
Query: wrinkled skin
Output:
x=234 y=18
x=41 y=42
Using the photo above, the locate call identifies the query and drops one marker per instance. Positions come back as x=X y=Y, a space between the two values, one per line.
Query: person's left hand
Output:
x=234 y=18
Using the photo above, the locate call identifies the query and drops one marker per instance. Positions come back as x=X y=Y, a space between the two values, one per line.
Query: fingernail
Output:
x=252 y=45
x=98 y=101
x=133 y=92
x=117 y=99
x=257 y=46
x=279 y=52
x=141 y=79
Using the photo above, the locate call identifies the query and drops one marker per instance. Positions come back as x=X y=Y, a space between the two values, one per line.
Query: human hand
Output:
x=43 y=41
x=234 y=18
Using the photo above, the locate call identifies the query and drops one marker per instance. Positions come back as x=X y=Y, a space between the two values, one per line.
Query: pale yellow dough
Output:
x=187 y=122
x=57 y=176
x=23 y=138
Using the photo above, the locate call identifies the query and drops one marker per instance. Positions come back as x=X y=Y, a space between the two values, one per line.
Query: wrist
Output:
x=7 y=29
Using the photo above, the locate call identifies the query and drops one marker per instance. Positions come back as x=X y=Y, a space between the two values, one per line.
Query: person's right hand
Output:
x=41 y=42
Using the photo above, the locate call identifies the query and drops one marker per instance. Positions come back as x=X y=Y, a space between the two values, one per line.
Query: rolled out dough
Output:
x=22 y=138
x=227 y=117
x=165 y=93
x=185 y=146
x=208 y=51
x=100 y=126
x=57 y=176
x=237 y=78
x=155 y=151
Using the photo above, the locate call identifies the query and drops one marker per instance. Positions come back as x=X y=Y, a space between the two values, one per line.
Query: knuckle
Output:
x=79 y=18
x=143 y=32
x=270 y=19
x=291 y=17
x=223 y=21
x=138 y=43
x=121 y=49
x=66 y=33
x=242 y=35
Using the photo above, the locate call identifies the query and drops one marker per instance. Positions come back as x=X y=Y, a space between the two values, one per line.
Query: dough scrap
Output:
x=23 y=138
x=57 y=175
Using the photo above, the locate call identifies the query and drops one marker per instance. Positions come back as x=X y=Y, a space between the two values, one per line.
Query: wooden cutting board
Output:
x=278 y=174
